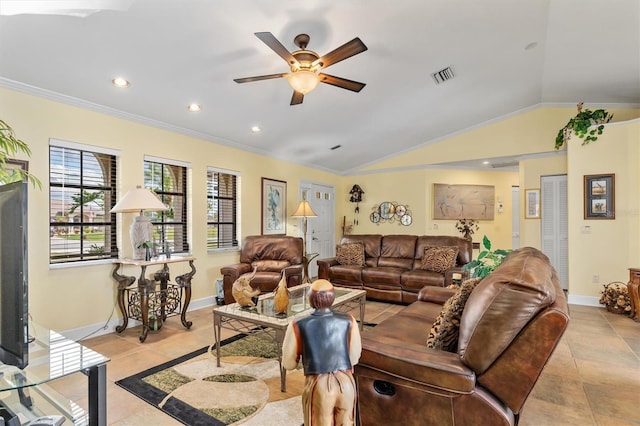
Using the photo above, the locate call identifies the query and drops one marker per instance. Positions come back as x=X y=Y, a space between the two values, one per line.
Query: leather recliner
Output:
x=509 y=328
x=270 y=254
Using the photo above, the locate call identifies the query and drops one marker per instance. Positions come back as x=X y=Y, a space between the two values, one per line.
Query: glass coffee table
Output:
x=264 y=321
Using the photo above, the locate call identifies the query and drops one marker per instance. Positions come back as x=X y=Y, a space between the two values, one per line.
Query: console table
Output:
x=155 y=296
x=632 y=286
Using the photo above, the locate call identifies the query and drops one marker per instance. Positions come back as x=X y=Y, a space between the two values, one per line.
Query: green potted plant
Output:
x=10 y=145
x=487 y=260
x=582 y=125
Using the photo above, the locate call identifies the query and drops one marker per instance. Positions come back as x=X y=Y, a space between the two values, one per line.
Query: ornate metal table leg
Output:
x=184 y=281
x=163 y=276
x=124 y=281
x=143 y=288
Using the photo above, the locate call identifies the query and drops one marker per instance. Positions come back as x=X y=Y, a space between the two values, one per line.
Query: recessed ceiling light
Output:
x=486 y=163
x=531 y=45
x=120 y=82
x=194 y=108
x=256 y=129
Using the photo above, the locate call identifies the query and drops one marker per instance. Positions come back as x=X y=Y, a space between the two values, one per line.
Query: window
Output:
x=169 y=181
x=222 y=209
x=82 y=190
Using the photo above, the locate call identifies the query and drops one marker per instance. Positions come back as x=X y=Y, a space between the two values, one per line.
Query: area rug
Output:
x=244 y=390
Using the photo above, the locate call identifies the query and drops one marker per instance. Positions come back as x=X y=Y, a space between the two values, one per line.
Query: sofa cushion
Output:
x=270 y=265
x=439 y=259
x=444 y=332
x=350 y=254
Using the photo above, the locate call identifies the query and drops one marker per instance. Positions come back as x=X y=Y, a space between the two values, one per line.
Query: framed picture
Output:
x=532 y=203
x=11 y=166
x=274 y=207
x=599 y=196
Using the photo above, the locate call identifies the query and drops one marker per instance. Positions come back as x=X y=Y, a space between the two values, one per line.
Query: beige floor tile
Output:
x=614 y=402
x=592 y=378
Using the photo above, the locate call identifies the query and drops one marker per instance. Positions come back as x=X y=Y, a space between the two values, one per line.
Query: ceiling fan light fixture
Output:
x=303 y=81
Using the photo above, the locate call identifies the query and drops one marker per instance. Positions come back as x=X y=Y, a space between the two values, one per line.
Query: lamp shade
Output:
x=138 y=200
x=304 y=210
x=303 y=81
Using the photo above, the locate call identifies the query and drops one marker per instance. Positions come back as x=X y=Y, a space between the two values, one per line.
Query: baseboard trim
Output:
x=584 y=300
x=98 y=329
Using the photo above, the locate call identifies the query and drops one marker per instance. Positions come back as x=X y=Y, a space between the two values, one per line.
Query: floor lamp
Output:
x=304 y=211
x=141 y=231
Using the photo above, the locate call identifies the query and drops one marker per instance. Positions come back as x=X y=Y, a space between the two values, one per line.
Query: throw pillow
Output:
x=350 y=254
x=270 y=265
x=439 y=259
x=444 y=332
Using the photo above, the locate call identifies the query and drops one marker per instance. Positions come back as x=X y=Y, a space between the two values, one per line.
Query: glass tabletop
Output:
x=298 y=302
x=51 y=356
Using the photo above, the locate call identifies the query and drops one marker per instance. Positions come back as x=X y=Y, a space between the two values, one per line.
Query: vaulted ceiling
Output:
x=505 y=56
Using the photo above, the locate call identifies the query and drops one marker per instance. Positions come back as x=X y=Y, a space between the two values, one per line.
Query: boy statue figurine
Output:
x=329 y=344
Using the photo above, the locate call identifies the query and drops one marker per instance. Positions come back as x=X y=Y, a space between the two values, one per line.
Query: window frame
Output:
x=158 y=225
x=110 y=189
x=235 y=222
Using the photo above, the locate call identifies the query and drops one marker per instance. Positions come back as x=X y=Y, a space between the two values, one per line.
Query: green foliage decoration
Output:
x=583 y=126
x=487 y=260
x=10 y=145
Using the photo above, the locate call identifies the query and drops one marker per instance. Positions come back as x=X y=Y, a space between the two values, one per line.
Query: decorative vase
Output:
x=281 y=298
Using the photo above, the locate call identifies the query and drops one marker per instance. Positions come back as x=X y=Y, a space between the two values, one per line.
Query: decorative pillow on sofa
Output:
x=444 y=332
x=439 y=259
x=270 y=265
x=350 y=254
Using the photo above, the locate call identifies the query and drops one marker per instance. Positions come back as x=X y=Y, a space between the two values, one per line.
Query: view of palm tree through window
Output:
x=82 y=190
x=169 y=182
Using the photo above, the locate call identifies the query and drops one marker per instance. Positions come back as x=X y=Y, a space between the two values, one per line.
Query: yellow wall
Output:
x=530 y=173
x=612 y=245
x=414 y=189
x=71 y=297
x=82 y=296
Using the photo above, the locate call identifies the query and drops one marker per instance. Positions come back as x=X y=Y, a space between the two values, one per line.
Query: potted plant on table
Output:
x=467 y=227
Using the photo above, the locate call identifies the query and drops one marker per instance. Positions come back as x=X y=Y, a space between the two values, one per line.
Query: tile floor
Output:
x=593 y=378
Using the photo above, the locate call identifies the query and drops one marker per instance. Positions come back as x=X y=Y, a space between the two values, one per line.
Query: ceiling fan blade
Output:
x=343 y=83
x=297 y=98
x=258 y=78
x=270 y=40
x=345 y=51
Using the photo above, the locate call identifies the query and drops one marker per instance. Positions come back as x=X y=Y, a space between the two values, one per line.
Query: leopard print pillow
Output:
x=350 y=254
x=439 y=259
x=444 y=332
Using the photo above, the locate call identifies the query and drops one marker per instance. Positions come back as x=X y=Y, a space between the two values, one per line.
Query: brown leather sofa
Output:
x=509 y=328
x=392 y=265
x=270 y=254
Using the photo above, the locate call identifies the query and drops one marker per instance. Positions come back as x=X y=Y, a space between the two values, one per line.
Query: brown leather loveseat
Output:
x=393 y=265
x=270 y=254
x=509 y=327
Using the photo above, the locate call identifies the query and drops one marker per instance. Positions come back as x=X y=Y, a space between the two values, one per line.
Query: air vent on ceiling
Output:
x=443 y=75
x=505 y=164
x=333 y=148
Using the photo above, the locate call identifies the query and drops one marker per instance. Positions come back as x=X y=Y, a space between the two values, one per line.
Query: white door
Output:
x=554 y=224
x=321 y=229
x=515 y=217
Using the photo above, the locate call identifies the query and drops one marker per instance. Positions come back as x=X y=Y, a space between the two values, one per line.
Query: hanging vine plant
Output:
x=582 y=126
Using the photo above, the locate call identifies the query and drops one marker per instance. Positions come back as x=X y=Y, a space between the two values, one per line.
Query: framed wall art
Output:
x=274 y=207
x=454 y=202
x=599 y=196
x=532 y=203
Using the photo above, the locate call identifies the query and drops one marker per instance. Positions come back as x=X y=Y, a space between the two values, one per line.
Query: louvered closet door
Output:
x=554 y=231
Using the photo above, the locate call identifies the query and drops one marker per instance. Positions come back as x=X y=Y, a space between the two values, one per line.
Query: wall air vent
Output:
x=443 y=75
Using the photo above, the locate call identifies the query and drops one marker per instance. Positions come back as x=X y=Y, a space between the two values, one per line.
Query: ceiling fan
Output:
x=306 y=64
